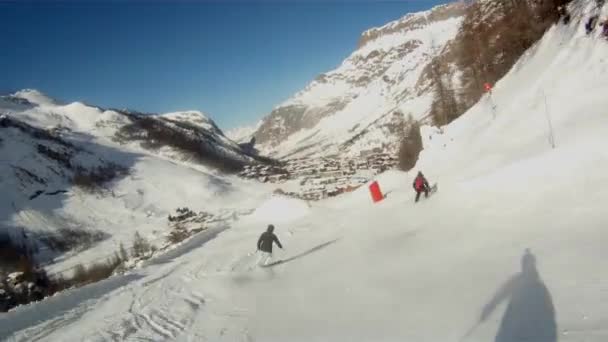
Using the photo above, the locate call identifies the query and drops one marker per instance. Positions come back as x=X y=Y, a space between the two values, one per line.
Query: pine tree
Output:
x=123 y=253
x=410 y=147
x=141 y=247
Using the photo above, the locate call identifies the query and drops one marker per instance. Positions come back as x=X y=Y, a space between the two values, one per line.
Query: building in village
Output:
x=320 y=178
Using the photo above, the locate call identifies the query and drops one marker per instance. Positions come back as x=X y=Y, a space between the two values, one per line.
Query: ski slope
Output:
x=399 y=271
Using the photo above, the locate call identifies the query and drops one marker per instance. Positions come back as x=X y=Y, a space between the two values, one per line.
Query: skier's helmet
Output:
x=270 y=228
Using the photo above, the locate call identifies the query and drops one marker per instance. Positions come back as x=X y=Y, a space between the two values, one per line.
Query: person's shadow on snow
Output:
x=530 y=315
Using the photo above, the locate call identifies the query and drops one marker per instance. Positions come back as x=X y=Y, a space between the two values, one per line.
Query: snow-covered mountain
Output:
x=367 y=100
x=511 y=248
x=242 y=134
x=82 y=168
x=182 y=136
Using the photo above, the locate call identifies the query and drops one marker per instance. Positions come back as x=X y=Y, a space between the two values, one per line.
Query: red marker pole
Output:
x=375 y=191
x=488 y=87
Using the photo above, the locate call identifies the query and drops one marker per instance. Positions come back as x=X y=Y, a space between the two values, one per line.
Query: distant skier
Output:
x=265 y=243
x=421 y=185
x=590 y=25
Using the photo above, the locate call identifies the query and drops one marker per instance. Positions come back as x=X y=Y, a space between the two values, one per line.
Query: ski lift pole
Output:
x=493 y=105
x=549 y=123
x=488 y=88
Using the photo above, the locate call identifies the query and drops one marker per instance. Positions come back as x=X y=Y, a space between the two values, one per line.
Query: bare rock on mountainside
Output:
x=492 y=38
x=412 y=22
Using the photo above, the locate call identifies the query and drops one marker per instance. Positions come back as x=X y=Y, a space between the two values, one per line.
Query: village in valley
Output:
x=319 y=178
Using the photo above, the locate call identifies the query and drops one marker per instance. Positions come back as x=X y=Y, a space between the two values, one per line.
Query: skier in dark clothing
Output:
x=265 y=242
x=590 y=25
x=421 y=185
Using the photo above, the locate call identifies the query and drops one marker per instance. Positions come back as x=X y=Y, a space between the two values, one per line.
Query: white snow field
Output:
x=399 y=271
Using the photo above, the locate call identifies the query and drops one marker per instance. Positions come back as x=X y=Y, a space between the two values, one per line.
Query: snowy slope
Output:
x=193 y=117
x=44 y=145
x=450 y=268
x=366 y=101
x=35 y=97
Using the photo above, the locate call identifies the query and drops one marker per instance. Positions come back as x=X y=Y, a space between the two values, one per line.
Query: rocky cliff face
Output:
x=365 y=102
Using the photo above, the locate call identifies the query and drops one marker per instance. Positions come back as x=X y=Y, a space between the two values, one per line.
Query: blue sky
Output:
x=234 y=60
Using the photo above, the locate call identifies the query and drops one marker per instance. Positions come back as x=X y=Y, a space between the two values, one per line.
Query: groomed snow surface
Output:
x=399 y=271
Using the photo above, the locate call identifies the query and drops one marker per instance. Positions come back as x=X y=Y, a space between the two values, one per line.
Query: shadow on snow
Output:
x=303 y=254
x=530 y=314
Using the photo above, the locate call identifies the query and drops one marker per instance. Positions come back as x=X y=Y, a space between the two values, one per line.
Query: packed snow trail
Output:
x=426 y=278
x=450 y=268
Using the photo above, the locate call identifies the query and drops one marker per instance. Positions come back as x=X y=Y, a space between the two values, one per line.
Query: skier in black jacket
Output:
x=265 y=243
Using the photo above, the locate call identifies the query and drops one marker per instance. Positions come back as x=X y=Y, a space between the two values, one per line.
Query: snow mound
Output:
x=280 y=209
